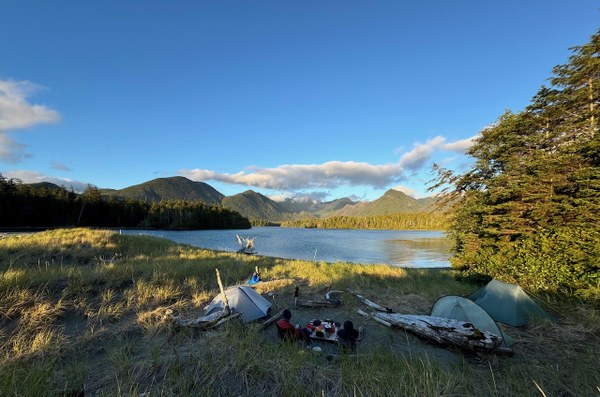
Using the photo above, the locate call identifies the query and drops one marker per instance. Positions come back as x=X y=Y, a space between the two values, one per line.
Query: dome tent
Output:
x=508 y=303
x=463 y=309
x=242 y=299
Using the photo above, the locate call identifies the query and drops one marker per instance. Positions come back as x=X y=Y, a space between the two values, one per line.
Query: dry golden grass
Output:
x=75 y=317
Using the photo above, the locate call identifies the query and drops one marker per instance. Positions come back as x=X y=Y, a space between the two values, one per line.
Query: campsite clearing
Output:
x=71 y=323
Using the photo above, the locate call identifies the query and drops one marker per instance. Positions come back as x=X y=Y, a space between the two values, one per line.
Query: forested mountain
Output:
x=48 y=205
x=256 y=206
x=528 y=210
x=392 y=202
x=45 y=185
x=173 y=188
x=314 y=207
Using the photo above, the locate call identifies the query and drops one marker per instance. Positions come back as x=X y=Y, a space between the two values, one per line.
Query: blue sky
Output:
x=319 y=99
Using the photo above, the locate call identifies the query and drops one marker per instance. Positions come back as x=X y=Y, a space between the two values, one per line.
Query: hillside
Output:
x=256 y=206
x=315 y=208
x=391 y=202
x=45 y=185
x=173 y=188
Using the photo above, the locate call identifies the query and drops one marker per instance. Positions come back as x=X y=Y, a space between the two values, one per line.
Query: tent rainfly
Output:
x=508 y=303
x=242 y=299
x=463 y=309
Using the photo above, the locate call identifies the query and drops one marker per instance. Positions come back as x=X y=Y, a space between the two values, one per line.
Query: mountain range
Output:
x=254 y=205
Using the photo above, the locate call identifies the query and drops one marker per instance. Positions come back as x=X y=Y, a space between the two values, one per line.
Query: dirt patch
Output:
x=376 y=337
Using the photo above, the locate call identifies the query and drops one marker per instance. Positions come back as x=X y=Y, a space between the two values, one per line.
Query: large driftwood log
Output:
x=444 y=330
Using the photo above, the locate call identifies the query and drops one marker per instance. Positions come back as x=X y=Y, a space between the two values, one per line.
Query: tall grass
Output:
x=84 y=311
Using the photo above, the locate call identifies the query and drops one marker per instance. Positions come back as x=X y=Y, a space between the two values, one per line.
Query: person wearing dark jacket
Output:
x=347 y=336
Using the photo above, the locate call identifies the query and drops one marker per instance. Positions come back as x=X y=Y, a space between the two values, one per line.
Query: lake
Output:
x=407 y=248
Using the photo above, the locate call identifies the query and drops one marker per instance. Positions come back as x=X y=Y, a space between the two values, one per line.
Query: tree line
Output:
x=398 y=221
x=23 y=205
x=528 y=210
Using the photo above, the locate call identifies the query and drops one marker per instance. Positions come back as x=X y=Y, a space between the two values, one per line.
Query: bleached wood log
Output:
x=225 y=319
x=225 y=300
x=327 y=302
x=365 y=314
x=316 y=303
x=332 y=299
x=444 y=330
x=370 y=303
x=203 y=322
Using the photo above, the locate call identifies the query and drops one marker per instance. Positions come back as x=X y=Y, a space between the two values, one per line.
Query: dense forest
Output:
x=528 y=210
x=398 y=221
x=23 y=205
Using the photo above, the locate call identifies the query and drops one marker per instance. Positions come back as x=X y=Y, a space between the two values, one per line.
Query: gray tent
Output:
x=508 y=303
x=463 y=309
x=242 y=299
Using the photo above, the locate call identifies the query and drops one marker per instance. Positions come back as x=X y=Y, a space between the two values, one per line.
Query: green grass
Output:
x=85 y=310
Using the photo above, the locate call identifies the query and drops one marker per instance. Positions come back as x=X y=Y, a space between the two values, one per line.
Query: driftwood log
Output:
x=380 y=321
x=273 y=318
x=444 y=331
x=369 y=303
x=201 y=322
x=329 y=300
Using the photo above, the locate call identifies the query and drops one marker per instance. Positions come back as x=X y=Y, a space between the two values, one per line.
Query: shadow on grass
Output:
x=112 y=338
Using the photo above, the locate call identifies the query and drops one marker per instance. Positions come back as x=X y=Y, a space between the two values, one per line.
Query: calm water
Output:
x=409 y=248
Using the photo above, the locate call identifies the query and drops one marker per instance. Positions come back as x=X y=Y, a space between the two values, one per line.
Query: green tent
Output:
x=463 y=309
x=508 y=303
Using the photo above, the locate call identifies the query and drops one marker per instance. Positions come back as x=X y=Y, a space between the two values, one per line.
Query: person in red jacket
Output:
x=288 y=331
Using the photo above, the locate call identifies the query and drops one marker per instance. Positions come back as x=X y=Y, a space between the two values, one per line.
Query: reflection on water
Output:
x=420 y=252
x=409 y=248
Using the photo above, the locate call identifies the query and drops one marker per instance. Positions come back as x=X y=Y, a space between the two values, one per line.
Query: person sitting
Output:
x=288 y=332
x=347 y=336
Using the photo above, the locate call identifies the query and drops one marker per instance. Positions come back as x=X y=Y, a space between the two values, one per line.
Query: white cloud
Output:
x=460 y=146
x=421 y=153
x=36 y=177
x=15 y=113
x=333 y=174
x=408 y=191
x=296 y=177
x=10 y=150
x=57 y=165
x=304 y=197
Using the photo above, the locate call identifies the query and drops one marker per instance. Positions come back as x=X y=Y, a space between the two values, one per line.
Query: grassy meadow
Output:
x=82 y=312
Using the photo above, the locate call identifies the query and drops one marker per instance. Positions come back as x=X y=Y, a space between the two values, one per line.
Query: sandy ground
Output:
x=376 y=337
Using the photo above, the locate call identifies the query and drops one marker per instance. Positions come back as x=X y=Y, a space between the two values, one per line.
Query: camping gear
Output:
x=246 y=245
x=463 y=309
x=323 y=330
x=508 y=303
x=242 y=299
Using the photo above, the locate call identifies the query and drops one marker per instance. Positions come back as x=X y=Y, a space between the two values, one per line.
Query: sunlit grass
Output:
x=83 y=307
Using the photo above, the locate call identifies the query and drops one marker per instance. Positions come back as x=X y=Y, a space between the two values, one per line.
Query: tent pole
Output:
x=222 y=291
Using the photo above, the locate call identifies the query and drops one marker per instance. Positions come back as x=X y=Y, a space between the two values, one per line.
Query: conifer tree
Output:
x=528 y=209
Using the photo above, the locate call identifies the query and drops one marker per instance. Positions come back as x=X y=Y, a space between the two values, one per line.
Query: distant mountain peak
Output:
x=170 y=188
x=254 y=205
